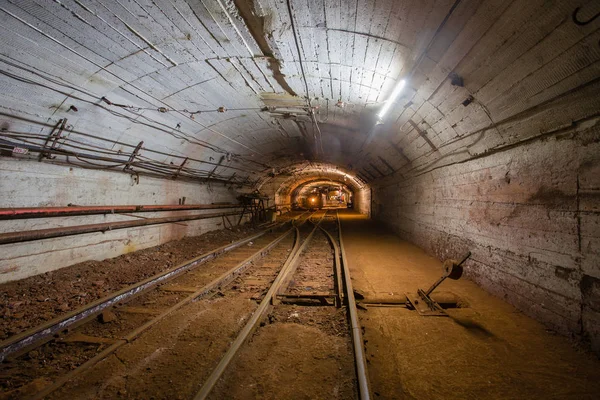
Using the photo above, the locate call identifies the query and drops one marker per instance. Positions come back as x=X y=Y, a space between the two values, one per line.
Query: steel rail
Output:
x=46 y=212
x=339 y=292
x=297 y=217
x=222 y=280
x=257 y=316
x=26 y=236
x=357 y=341
x=289 y=272
x=46 y=330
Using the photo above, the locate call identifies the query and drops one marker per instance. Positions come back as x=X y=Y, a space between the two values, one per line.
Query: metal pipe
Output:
x=444 y=299
x=45 y=212
x=448 y=273
x=25 y=236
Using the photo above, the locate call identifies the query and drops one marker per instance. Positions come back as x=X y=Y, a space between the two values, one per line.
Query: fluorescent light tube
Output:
x=393 y=97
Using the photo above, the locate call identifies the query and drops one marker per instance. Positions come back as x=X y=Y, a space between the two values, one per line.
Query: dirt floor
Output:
x=299 y=342
x=298 y=353
x=31 y=301
x=315 y=270
x=36 y=369
x=488 y=350
x=171 y=360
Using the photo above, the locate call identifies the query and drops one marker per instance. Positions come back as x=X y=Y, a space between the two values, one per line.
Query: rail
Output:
x=33 y=338
x=223 y=279
x=339 y=287
x=37 y=335
x=342 y=269
x=257 y=316
x=357 y=341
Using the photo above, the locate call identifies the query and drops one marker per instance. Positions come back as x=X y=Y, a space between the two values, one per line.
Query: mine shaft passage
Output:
x=291 y=199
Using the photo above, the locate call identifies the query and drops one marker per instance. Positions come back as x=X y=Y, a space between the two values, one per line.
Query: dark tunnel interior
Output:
x=300 y=199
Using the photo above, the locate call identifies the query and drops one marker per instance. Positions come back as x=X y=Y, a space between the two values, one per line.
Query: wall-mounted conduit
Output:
x=103 y=159
x=25 y=236
x=46 y=212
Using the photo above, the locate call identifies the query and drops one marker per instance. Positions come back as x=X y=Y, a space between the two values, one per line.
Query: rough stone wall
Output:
x=529 y=213
x=33 y=184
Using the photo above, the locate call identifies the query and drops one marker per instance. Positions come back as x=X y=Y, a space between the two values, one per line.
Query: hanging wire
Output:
x=69 y=140
x=152 y=165
x=221 y=109
x=152 y=123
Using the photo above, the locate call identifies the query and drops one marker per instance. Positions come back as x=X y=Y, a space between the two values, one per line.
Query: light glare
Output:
x=393 y=97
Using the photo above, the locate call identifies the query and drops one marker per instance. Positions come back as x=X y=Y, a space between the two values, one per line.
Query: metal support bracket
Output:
x=176 y=174
x=133 y=156
x=215 y=168
x=230 y=179
x=52 y=139
x=387 y=164
x=376 y=169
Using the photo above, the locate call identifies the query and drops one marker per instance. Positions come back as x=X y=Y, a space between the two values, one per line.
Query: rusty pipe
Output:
x=46 y=212
x=25 y=236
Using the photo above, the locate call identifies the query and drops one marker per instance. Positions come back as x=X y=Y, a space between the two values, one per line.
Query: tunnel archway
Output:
x=280 y=187
x=330 y=193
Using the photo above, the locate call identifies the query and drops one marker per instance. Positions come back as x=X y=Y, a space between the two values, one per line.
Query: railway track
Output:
x=81 y=340
x=280 y=266
x=315 y=275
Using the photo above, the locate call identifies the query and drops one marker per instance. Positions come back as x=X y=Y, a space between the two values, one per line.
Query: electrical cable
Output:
x=154 y=166
x=117 y=76
x=311 y=110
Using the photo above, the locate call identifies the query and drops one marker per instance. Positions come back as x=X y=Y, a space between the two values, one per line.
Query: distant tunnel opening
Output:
x=322 y=194
x=320 y=189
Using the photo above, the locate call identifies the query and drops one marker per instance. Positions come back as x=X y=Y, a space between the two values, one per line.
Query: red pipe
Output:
x=25 y=236
x=44 y=212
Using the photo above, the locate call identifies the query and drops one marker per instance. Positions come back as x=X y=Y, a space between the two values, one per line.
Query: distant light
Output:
x=392 y=99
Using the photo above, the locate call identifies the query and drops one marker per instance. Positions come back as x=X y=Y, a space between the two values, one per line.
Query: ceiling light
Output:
x=392 y=99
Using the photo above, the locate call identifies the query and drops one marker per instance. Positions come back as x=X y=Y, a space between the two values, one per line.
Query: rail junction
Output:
x=287 y=269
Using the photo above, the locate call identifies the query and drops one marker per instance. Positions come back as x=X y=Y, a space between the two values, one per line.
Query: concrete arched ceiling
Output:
x=297 y=80
x=284 y=183
x=308 y=187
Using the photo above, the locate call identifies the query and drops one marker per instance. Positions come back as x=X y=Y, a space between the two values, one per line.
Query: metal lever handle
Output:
x=449 y=273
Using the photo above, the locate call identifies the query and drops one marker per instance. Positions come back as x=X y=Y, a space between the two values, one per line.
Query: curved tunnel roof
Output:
x=306 y=173
x=244 y=91
x=309 y=186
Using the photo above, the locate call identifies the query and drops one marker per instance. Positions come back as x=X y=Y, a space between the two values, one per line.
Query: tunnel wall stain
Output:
x=529 y=215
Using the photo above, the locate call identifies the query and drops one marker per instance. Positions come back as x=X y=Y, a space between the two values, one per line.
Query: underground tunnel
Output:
x=300 y=199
